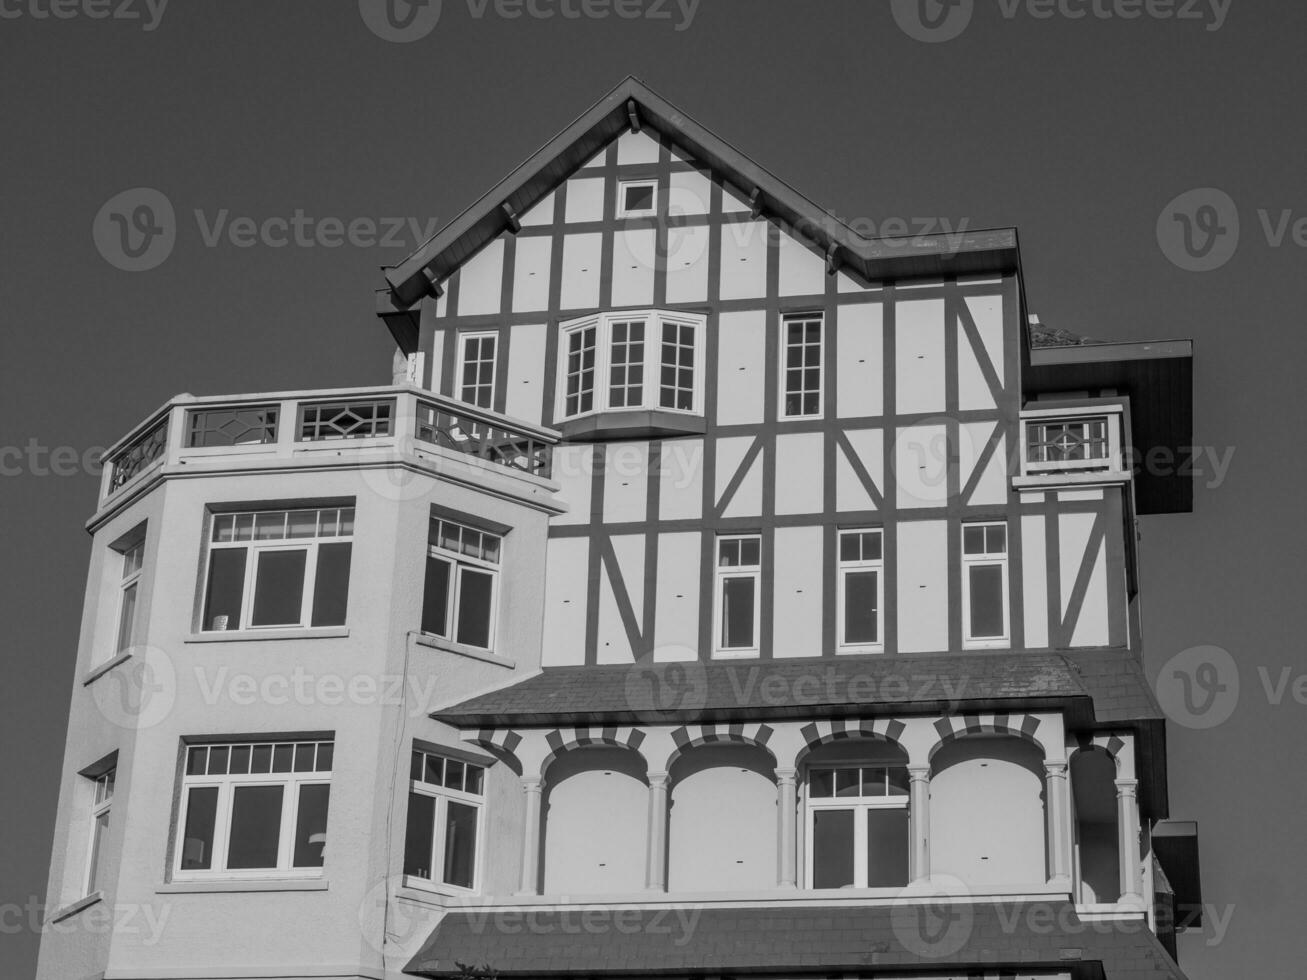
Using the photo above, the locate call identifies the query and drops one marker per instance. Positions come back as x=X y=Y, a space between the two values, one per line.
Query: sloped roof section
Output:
x=632 y=103
x=848 y=939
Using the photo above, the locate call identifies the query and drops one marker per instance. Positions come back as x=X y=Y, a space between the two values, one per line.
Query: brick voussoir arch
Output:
x=950 y=728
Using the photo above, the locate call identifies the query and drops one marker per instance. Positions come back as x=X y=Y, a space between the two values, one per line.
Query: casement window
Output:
x=860 y=590
x=133 y=557
x=1079 y=440
x=984 y=584
x=101 y=801
x=459 y=600
x=739 y=577
x=278 y=569
x=636 y=198
x=476 y=368
x=646 y=360
x=858 y=831
x=254 y=809
x=801 y=366
x=445 y=802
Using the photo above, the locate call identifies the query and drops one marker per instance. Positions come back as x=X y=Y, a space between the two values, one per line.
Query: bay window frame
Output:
x=457 y=562
x=444 y=795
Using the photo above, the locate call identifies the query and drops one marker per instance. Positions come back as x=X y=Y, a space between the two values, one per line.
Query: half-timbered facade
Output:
x=773 y=591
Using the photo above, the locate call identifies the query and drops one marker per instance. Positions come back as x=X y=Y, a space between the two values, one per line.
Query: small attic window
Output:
x=637 y=197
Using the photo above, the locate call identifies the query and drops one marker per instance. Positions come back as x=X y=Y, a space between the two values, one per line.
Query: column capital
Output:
x=1127 y=787
x=659 y=780
x=919 y=773
x=532 y=784
x=786 y=775
x=1058 y=769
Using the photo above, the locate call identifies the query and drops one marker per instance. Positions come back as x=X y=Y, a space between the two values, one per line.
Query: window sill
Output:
x=624 y=424
x=1000 y=644
x=101 y=669
x=58 y=915
x=1062 y=478
x=243 y=885
x=462 y=649
x=243 y=636
x=428 y=893
x=751 y=654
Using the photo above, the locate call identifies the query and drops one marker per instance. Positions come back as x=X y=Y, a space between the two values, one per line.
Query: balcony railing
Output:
x=1072 y=438
x=406 y=419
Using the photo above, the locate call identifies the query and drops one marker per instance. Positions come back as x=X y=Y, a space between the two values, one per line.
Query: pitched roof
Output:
x=871 y=941
x=632 y=103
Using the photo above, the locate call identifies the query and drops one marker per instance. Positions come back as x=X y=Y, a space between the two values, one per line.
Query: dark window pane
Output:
x=847 y=782
x=639 y=198
x=196 y=757
x=737 y=612
x=460 y=844
x=986 y=600
x=331 y=587
x=973 y=540
x=474 y=601
x=472 y=779
x=418 y=835
x=750 y=551
x=996 y=539
x=97 y=844
x=435 y=598
x=832 y=848
x=222 y=601
x=197 y=837
x=326 y=752
x=240 y=759
x=261 y=759
x=127 y=617
x=304 y=757
x=218 y=760
x=435 y=771
x=415 y=766
x=822 y=784
x=311 y=826
x=278 y=588
x=873 y=782
x=454 y=774
x=860 y=612
x=281 y=757
x=898 y=781
x=850 y=547
x=887 y=847
x=255 y=826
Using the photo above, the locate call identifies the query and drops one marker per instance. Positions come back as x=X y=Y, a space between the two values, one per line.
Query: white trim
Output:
x=444 y=795
x=842 y=568
x=859 y=806
x=622 y=186
x=461 y=362
x=986 y=559
x=782 y=390
x=720 y=575
x=459 y=562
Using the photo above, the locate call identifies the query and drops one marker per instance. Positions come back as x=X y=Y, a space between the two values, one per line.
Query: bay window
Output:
x=443 y=831
x=647 y=360
x=459 y=595
x=984 y=584
x=254 y=809
x=858 y=831
x=279 y=568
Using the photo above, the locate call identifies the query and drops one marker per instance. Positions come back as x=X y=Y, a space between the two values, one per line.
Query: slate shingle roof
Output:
x=870 y=941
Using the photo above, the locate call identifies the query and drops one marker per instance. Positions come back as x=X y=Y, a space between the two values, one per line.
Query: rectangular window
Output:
x=254 y=809
x=858 y=827
x=739 y=574
x=802 y=367
x=984 y=583
x=443 y=832
x=458 y=601
x=1082 y=440
x=860 y=587
x=101 y=801
x=477 y=368
x=278 y=569
x=637 y=197
x=133 y=559
x=632 y=361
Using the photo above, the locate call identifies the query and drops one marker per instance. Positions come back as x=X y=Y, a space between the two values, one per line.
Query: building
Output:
x=714 y=592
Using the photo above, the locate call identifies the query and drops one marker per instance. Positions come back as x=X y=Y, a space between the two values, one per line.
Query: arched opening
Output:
x=1098 y=840
x=987 y=817
x=856 y=827
x=722 y=823
x=595 y=822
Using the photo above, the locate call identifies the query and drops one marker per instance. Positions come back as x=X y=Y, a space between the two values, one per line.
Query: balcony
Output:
x=1078 y=442
x=367 y=426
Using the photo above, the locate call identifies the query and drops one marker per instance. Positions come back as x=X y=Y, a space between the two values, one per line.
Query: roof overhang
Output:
x=1157 y=377
x=631 y=103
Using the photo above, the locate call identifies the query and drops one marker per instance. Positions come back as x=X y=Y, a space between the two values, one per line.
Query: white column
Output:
x=656 y=872
x=1127 y=819
x=532 y=786
x=787 y=840
x=919 y=819
x=1057 y=804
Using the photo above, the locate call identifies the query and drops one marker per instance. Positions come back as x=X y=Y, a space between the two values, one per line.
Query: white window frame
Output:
x=254 y=547
x=1110 y=414
x=226 y=786
x=721 y=575
x=859 y=805
x=843 y=567
x=459 y=384
x=101 y=804
x=443 y=795
x=988 y=558
x=651 y=400
x=458 y=560
x=125 y=625
x=783 y=390
x=624 y=185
